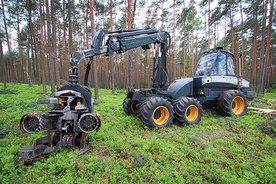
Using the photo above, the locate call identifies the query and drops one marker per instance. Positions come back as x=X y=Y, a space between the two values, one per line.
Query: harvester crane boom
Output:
x=107 y=42
x=121 y=41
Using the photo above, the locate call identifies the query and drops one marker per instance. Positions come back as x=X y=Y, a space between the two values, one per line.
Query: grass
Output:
x=218 y=150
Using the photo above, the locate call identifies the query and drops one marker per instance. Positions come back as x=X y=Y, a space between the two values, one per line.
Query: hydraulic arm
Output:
x=121 y=41
x=107 y=42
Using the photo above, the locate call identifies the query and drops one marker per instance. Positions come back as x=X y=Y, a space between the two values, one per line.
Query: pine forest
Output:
x=37 y=38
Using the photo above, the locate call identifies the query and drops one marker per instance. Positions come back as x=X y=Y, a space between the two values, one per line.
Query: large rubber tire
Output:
x=232 y=102
x=187 y=111
x=130 y=107
x=157 y=112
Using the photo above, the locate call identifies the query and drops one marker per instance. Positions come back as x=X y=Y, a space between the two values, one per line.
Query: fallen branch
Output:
x=267 y=112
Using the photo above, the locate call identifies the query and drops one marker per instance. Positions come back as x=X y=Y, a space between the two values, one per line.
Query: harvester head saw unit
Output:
x=67 y=123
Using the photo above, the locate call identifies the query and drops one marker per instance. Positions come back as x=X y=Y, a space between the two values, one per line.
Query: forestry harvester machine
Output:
x=214 y=85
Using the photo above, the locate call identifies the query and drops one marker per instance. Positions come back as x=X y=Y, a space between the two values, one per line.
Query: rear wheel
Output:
x=130 y=107
x=232 y=102
x=157 y=112
x=188 y=111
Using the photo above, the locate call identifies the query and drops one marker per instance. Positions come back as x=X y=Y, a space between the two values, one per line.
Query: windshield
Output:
x=205 y=64
x=212 y=64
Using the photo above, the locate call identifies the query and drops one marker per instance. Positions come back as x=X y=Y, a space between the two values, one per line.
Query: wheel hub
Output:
x=160 y=115
x=191 y=113
x=238 y=105
x=134 y=107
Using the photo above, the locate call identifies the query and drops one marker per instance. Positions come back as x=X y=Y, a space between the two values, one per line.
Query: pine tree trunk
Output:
x=242 y=36
x=65 y=49
x=268 y=44
x=70 y=41
x=209 y=25
x=192 y=40
x=148 y=68
x=174 y=41
x=94 y=63
x=59 y=50
x=3 y=66
x=184 y=43
x=106 y=78
x=29 y=45
x=130 y=52
x=111 y=57
x=36 y=71
x=32 y=43
x=184 y=56
x=11 y=68
x=42 y=46
x=263 y=64
x=20 y=51
x=46 y=72
x=50 y=51
x=225 y=33
x=253 y=74
x=86 y=27
x=233 y=39
x=54 y=41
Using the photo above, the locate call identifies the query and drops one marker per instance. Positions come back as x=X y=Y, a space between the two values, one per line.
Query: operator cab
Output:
x=216 y=62
x=214 y=74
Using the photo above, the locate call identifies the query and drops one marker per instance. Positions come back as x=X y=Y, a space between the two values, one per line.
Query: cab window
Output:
x=205 y=64
x=220 y=65
x=230 y=66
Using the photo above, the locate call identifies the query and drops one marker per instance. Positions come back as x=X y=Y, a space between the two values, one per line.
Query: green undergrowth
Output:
x=268 y=100
x=124 y=150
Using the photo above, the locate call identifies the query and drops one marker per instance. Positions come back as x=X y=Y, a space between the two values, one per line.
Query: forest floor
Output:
x=217 y=150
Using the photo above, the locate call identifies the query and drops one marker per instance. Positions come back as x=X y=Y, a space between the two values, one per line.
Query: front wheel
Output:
x=232 y=102
x=157 y=112
x=188 y=111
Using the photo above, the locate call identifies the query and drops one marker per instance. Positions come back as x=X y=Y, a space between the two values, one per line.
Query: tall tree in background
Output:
x=29 y=44
x=147 y=62
x=94 y=64
x=3 y=75
x=268 y=43
x=54 y=45
x=66 y=43
x=111 y=57
x=130 y=52
x=181 y=23
x=11 y=65
x=206 y=4
x=3 y=65
x=263 y=64
x=174 y=41
x=49 y=48
x=16 y=14
x=254 y=50
x=227 y=9
x=87 y=38
x=242 y=37
x=42 y=46
x=192 y=35
x=209 y=25
x=70 y=40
